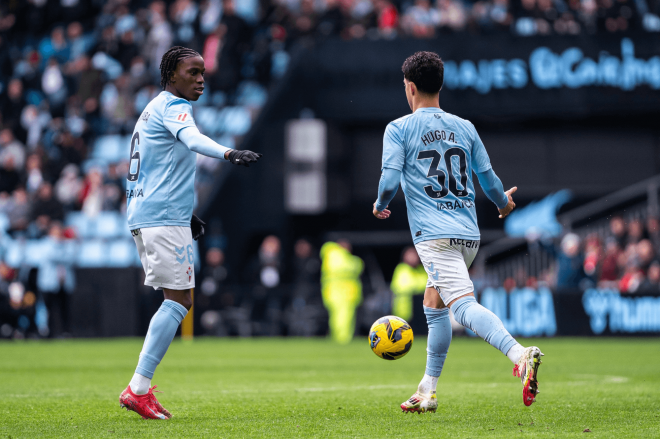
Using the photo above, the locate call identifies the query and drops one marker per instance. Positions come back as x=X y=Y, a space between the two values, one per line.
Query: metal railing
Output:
x=513 y=257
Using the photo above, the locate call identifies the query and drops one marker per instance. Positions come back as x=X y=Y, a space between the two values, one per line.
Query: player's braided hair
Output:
x=426 y=70
x=170 y=60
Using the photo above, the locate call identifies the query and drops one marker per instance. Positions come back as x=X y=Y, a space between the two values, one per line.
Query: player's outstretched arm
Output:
x=202 y=144
x=387 y=188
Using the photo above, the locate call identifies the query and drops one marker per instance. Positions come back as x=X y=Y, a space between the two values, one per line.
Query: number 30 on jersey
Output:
x=441 y=175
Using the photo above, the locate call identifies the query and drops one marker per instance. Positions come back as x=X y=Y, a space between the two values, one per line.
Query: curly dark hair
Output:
x=426 y=70
x=170 y=60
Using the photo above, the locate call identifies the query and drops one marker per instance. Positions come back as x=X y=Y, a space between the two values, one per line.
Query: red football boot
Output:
x=145 y=405
x=527 y=370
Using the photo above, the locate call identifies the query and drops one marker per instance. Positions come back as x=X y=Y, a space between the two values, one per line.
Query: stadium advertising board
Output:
x=592 y=312
x=505 y=76
x=546 y=68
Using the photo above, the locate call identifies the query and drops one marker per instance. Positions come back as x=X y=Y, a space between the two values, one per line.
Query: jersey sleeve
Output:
x=177 y=116
x=480 y=159
x=393 y=151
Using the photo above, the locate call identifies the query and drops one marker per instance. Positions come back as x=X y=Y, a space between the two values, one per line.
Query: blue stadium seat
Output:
x=107 y=225
x=35 y=251
x=121 y=253
x=92 y=253
x=111 y=148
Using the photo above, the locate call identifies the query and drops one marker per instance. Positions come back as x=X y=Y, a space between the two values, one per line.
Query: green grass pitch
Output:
x=313 y=388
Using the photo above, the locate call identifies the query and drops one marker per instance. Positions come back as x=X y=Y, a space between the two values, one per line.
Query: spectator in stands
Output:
x=92 y=193
x=593 y=255
x=303 y=314
x=331 y=20
x=635 y=231
x=651 y=283
x=267 y=268
x=56 y=280
x=214 y=273
x=452 y=15
x=632 y=277
x=306 y=271
x=11 y=108
x=388 y=18
x=11 y=147
x=420 y=20
x=569 y=262
x=18 y=210
x=68 y=187
x=10 y=178
x=55 y=47
x=645 y=254
x=618 y=230
x=45 y=209
x=34 y=174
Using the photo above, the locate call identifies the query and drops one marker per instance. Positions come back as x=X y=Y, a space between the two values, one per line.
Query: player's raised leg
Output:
x=139 y=396
x=469 y=313
x=439 y=338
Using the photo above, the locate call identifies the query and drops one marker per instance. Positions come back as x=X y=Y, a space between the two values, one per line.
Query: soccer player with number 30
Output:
x=160 y=194
x=433 y=154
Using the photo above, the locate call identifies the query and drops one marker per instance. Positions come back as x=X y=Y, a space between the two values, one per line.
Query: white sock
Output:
x=428 y=384
x=515 y=353
x=140 y=384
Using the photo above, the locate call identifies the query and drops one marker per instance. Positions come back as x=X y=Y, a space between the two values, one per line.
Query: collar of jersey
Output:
x=430 y=110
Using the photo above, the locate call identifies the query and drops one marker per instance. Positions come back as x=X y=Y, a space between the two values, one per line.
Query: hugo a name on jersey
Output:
x=450 y=137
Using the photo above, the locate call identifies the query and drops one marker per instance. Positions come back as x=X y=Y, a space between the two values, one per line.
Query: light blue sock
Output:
x=438 y=341
x=483 y=322
x=161 y=332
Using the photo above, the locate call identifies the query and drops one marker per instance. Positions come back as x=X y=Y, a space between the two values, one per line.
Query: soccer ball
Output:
x=390 y=337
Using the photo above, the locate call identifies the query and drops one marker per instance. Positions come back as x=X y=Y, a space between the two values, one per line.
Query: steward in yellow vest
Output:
x=409 y=279
x=341 y=288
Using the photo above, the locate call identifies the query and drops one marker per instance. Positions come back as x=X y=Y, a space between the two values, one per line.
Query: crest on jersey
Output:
x=145 y=116
x=182 y=117
x=189 y=273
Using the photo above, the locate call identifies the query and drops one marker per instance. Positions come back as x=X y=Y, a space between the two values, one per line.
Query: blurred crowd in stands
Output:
x=624 y=257
x=73 y=70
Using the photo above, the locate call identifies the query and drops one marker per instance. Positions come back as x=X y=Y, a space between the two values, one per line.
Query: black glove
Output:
x=197 y=227
x=243 y=157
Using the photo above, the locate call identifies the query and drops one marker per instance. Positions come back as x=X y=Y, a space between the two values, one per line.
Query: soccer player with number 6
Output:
x=433 y=154
x=160 y=194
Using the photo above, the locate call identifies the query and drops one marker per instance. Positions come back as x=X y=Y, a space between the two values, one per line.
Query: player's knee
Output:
x=183 y=298
x=187 y=302
x=432 y=299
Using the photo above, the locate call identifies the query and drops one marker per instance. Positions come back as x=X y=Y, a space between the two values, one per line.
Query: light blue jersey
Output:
x=436 y=153
x=161 y=180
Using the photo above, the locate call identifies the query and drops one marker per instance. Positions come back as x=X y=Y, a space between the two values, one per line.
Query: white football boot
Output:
x=421 y=403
